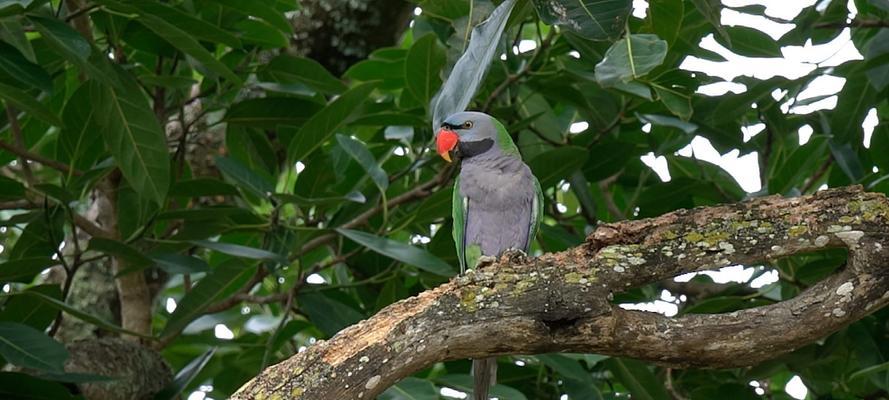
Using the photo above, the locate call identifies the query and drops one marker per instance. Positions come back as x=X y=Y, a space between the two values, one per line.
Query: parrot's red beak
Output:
x=445 y=141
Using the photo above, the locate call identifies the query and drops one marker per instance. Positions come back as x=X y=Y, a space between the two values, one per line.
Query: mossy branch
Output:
x=561 y=302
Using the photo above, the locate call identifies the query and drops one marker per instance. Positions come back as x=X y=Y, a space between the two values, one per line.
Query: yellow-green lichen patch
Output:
x=468 y=300
x=694 y=237
x=870 y=210
x=296 y=392
x=797 y=230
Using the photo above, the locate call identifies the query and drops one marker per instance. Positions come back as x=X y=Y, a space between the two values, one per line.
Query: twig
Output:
x=22 y=153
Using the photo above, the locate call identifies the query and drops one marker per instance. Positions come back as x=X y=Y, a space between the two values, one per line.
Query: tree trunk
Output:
x=561 y=301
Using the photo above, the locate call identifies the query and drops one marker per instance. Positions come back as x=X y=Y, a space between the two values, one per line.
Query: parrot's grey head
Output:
x=469 y=132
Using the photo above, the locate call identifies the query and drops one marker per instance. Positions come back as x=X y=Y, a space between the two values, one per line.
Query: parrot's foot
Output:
x=484 y=261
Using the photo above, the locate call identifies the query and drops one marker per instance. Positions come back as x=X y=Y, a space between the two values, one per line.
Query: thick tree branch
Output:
x=560 y=302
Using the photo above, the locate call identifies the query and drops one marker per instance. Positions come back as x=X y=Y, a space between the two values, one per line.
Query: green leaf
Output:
x=179 y=264
x=134 y=137
x=220 y=283
x=464 y=383
x=556 y=164
x=847 y=159
x=270 y=112
x=324 y=123
x=853 y=103
x=592 y=19
x=36 y=314
x=200 y=187
x=879 y=144
x=464 y=80
x=261 y=34
x=290 y=69
x=627 y=60
x=79 y=145
x=637 y=378
x=400 y=251
x=677 y=102
x=18 y=67
x=750 y=42
x=359 y=152
x=260 y=10
x=185 y=376
x=27 y=103
x=12 y=32
x=244 y=178
x=27 y=347
x=712 y=12
x=198 y=28
x=565 y=366
x=176 y=37
x=19 y=386
x=133 y=258
x=24 y=269
x=422 y=66
x=77 y=313
x=666 y=18
x=411 y=388
x=329 y=315
x=66 y=41
x=241 y=251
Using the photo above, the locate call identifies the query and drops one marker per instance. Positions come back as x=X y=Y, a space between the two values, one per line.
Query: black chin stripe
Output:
x=469 y=149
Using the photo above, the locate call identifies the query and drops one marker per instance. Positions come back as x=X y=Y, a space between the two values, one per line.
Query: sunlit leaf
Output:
x=592 y=19
x=405 y=253
x=627 y=60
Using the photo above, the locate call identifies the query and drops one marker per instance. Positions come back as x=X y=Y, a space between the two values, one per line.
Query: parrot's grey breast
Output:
x=501 y=196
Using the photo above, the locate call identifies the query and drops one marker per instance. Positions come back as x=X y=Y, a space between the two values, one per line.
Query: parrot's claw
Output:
x=485 y=261
x=515 y=256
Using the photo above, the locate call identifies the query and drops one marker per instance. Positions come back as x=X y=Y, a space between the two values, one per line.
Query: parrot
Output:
x=497 y=203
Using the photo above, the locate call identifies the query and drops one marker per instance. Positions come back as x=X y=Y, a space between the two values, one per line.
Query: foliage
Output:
x=241 y=175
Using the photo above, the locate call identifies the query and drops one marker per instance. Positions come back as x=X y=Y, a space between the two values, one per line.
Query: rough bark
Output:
x=561 y=302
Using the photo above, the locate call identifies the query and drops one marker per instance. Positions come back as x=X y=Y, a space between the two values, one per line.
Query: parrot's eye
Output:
x=467 y=125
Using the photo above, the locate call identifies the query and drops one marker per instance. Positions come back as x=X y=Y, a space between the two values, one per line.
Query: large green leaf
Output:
x=27 y=347
x=238 y=250
x=11 y=32
x=221 y=282
x=131 y=257
x=134 y=136
x=592 y=19
x=712 y=12
x=185 y=376
x=23 y=270
x=627 y=60
x=36 y=314
x=324 y=123
x=196 y=27
x=328 y=314
x=20 y=386
x=67 y=42
x=411 y=388
x=400 y=251
x=25 y=102
x=465 y=78
x=18 y=67
x=79 y=145
x=638 y=379
x=359 y=152
x=853 y=103
x=290 y=69
x=260 y=10
x=556 y=164
x=666 y=18
x=77 y=313
x=270 y=112
x=244 y=178
x=750 y=42
x=422 y=67
x=175 y=36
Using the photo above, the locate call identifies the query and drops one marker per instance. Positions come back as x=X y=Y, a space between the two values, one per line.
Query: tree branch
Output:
x=560 y=302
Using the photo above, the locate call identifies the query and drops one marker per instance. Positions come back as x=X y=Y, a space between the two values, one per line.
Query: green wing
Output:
x=458 y=212
x=536 y=214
